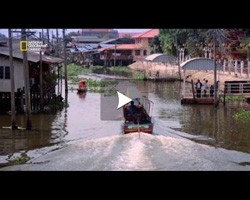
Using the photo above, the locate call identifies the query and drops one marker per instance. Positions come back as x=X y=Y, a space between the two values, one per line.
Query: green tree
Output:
x=70 y=34
x=155 y=45
x=194 y=41
x=127 y=36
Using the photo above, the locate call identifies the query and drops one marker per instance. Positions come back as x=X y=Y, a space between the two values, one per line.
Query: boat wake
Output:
x=138 y=152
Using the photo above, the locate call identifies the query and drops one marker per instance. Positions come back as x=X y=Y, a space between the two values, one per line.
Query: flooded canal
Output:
x=81 y=122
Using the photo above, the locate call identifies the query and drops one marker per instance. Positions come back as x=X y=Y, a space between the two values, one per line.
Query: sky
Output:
x=5 y=31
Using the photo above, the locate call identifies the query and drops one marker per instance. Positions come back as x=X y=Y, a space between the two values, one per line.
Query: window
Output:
x=1 y=72
x=145 y=52
x=4 y=72
x=137 y=52
x=138 y=40
x=7 y=72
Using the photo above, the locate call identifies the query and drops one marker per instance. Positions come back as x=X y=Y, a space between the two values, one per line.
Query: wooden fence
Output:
x=5 y=100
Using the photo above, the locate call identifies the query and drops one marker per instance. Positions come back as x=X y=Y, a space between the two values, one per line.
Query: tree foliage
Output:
x=70 y=34
x=127 y=36
x=155 y=45
x=192 y=39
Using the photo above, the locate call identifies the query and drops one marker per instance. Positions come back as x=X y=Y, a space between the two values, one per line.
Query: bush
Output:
x=231 y=99
x=120 y=71
x=75 y=70
x=139 y=75
x=242 y=115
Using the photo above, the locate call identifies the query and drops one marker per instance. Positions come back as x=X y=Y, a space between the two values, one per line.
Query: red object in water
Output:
x=82 y=86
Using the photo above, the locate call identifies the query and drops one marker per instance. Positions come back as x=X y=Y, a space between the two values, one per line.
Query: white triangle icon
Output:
x=122 y=100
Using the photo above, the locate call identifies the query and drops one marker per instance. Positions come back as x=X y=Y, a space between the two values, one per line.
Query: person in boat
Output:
x=132 y=108
x=82 y=85
x=130 y=112
x=135 y=112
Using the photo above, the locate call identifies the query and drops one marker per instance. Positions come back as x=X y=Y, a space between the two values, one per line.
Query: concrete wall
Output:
x=144 y=42
x=5 y=85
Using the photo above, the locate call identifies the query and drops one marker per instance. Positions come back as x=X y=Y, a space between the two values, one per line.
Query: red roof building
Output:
x=142 y=41
x=148 y=34
x=127 y=53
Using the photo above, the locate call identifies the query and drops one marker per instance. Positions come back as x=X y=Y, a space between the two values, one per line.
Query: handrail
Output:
x=237 y=88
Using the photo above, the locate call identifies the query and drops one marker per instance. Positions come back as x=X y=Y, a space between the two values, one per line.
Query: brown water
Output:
x=215 y=126
x=47 y=130
x=81 y=120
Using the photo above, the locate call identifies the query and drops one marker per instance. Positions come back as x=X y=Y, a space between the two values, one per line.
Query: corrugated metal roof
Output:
x=107 y=41
x=3 y=43
x=200 y=64
x=32 y=56
x=119 y=41
x=105 y=48
x=92 y=45
x=81 y=49
x=105 y=45
x=153 y=56
x=72 y=50
x=163 y=58
x=87 y=47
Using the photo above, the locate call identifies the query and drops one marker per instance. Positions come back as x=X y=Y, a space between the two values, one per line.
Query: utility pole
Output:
x=115 y=55
x=41 y=78
x=12 y=78
x=27 y=83
x=48 y=35
x=42 y=35
x=41 y=81
x=65 y=66
x=216 y=87
x=52 y=37
x=57 y=43
x=105 y=58
x=58 y=68
x=178 y=60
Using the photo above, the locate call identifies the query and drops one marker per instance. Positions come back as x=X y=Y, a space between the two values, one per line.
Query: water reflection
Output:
x=82 y=95
x=48 y=129
x=217 y=125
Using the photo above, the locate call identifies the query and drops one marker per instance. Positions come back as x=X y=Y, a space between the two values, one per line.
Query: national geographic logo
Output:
x=31 y=45
x=23 y=45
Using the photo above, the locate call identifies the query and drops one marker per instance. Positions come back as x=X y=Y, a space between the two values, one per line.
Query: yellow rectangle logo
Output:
x=23 y=45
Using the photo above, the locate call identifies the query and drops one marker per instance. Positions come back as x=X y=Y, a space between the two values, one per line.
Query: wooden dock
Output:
x=203 y=100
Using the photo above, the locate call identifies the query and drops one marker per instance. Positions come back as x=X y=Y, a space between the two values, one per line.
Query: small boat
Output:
x=139 y=119
x=82 y=86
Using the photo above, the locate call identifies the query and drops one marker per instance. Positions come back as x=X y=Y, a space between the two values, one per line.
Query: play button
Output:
x=115 y=98
x=122 y=100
